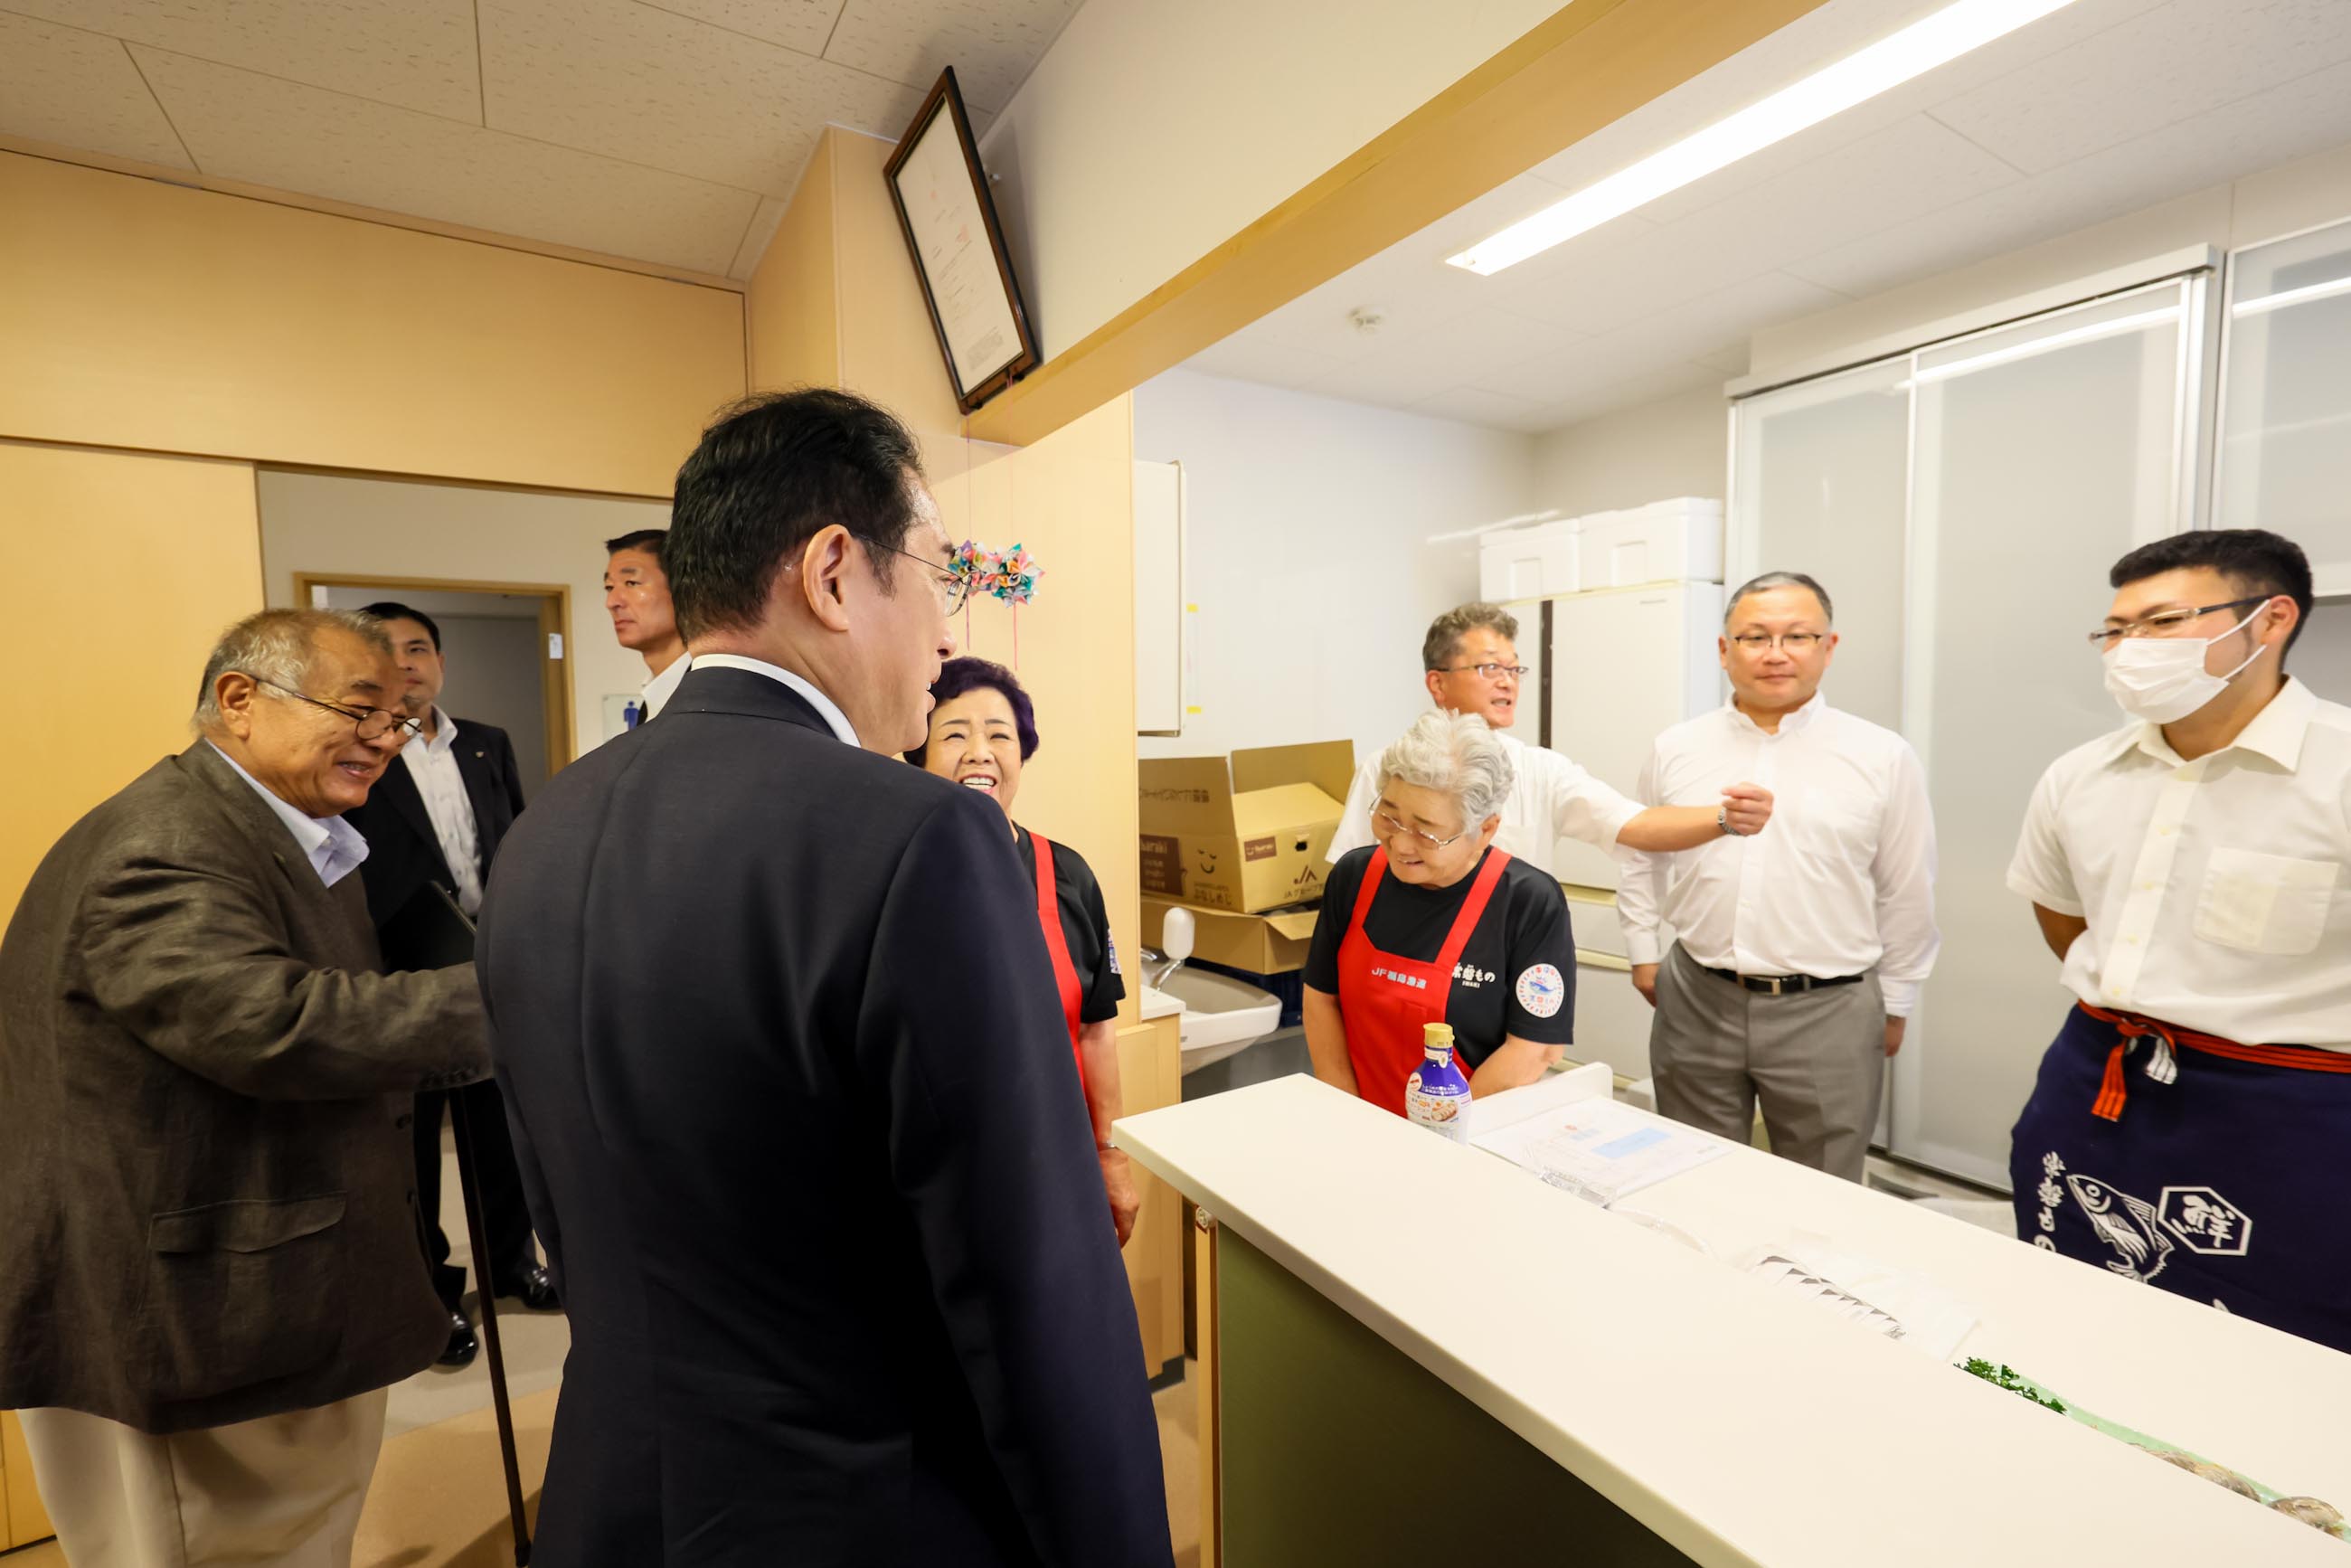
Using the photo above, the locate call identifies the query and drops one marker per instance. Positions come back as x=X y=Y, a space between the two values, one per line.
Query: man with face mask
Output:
x=2190 y=869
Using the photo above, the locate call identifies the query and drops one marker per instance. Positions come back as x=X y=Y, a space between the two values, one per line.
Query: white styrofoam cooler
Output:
x=1665 y=541
x=1531 y=562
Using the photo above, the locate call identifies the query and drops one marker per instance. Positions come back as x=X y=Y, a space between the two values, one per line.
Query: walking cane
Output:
x=478 y=1231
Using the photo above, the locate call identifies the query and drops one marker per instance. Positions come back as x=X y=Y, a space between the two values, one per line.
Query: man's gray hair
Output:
x=1780 y=579
x=277 y=646
x=1444 y=634
x=1457 y=755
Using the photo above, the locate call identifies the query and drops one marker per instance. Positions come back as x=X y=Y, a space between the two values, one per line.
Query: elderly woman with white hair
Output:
x=1432 y=924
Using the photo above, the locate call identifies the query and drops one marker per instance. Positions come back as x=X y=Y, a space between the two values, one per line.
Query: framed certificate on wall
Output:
x=949 y=220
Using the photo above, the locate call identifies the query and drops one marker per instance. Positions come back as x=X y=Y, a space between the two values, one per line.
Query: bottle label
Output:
x=1441 y=1103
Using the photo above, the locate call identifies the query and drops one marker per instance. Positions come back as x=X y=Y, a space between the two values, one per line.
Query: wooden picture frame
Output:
x=970 y=287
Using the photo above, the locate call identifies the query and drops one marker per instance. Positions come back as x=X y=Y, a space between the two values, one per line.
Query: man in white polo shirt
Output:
x=1472 y=663
x=2190 y=1122
x=1800 y=956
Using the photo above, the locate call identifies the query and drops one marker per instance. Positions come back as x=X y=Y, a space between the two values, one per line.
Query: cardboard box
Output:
x=1247 y=836
x=1260 y=943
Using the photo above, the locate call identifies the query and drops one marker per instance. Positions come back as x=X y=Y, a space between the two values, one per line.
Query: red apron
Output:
x=1387 y=1001
x=1057 y=946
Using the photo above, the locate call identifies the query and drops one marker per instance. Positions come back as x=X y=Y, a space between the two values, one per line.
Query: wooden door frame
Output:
x=554 y=619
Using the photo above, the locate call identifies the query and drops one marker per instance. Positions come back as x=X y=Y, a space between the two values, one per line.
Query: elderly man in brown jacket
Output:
x=209 y=1270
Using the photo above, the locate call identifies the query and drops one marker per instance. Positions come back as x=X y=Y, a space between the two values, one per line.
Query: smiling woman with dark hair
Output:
x=983 y=732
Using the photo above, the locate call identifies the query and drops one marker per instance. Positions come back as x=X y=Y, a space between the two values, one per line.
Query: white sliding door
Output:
x=2285 y=447
x=2039 y=454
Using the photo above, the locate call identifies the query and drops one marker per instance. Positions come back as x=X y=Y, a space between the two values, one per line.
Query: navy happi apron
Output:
x=2217 y=1171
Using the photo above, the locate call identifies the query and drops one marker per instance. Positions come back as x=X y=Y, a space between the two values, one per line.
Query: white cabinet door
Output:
x=1623 y=667
x=2286 y=441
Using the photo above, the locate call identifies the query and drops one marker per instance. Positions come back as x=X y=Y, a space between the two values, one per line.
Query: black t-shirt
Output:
x=1085 y=926
x=1521 y=951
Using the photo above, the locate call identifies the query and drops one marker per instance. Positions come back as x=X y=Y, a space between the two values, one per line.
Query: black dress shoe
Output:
x=535 y=1289
x=463 y=1346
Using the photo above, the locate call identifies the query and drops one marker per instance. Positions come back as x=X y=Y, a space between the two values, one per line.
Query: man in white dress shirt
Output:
x=1798 y=957
x=2188 y=1125
x=636 y=596
x=1471 y=659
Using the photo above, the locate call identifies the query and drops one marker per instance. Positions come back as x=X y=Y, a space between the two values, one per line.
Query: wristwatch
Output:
x=1722 y=820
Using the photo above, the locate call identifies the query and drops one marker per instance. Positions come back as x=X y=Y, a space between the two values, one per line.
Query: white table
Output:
x=1740 y=1426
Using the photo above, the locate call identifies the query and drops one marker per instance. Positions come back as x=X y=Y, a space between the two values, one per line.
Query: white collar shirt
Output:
x=2215 y=890
x=433 y=765
x=664 y=686
x=1550 y=798
x=826 y=708
x=332 y=846
x=1841 y=881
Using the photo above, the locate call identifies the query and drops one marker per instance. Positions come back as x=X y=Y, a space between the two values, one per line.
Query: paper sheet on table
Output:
x=1600 y=1150
x=1903 y=1306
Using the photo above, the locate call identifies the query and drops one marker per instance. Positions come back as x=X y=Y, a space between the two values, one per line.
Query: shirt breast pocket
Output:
x=2263 y=903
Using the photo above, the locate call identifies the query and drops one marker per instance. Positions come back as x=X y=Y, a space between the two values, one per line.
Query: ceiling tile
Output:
x=418 y=54
x=2296 y=118
x=242 y=126
x=667 y=91
x=1704 y=332
x=1664 y=381
x=1245 y=358
x=992 y=44
x=1406 y=370
x=2184 y=59
x=801 y=25
x=1490 y=408
x=1649 y=272
x=80 y=90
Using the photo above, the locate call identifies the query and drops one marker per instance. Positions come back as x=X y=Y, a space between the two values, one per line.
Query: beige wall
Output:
x=144 y=560
x=1069 y=498
x=138 y=314
x=328 y=523
x=794 y=299
x=1677 y=446
x=2293 y=196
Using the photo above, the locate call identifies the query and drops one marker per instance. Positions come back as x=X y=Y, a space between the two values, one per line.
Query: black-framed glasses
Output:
x=954 y=586
x=373 y=722
x=1491 y=672
x=1793 y=642
x=2164 y=622
x=1397 y=828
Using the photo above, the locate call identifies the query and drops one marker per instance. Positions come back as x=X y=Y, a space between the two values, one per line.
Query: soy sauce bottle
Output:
x=1436 y=1096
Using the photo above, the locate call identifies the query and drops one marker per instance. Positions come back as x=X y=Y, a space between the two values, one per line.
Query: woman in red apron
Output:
x=983 y=731
x=1432 y=924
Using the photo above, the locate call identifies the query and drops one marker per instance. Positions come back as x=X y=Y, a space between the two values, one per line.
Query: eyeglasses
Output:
x=373 y=722
x=2166 y=622
x=1491 y=672
x=954 y=586
x=1793 y=642
x=1396 y=829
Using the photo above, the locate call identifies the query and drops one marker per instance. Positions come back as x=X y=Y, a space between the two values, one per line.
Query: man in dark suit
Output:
x=790 y=1084
x=436 y=819
x=207 y=1217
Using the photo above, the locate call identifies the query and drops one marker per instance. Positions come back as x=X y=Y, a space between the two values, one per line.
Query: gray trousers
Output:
x=1816 y=1060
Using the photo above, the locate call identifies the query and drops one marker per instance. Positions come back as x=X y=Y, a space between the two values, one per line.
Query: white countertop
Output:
x=1745 y=1427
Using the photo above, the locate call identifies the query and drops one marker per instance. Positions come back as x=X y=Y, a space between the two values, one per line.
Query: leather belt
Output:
x=1780 y=985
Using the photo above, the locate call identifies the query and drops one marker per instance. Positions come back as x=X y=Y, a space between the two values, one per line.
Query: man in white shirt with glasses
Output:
x=1798 y=957
x=1470 y=661
x=2188 y=1125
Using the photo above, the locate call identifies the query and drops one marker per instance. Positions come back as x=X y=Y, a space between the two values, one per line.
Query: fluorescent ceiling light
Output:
x=2327 y=290
x=1914 y=50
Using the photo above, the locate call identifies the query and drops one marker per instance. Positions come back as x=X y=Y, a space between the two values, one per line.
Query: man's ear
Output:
x=824 y=570
x=235 y=693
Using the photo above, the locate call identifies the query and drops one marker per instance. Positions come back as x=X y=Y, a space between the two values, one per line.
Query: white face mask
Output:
x=2163 y=679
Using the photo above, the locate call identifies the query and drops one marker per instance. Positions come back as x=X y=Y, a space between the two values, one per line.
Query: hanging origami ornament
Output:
x=1008 y=576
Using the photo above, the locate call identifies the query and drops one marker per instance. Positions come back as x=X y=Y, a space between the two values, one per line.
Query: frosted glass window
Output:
x=1820 y=486
x=2285 y=442
x=2041 y=453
